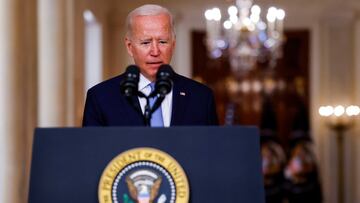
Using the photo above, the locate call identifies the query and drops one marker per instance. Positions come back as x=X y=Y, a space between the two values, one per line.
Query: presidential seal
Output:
x=143 y=175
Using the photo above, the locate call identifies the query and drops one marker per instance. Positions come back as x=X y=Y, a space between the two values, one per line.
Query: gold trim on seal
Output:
x=143 y=154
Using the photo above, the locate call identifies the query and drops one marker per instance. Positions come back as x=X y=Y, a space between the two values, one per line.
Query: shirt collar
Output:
x=143 y=82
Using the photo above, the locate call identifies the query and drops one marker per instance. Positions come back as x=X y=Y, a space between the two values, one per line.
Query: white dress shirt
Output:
x=166 y=105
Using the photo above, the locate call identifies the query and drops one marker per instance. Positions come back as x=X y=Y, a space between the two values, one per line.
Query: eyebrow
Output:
x=150 y=39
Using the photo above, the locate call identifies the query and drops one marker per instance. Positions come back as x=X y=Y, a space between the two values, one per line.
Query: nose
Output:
x=155 y=51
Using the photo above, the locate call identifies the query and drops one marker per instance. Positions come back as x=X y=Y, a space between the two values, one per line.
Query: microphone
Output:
x=164 y=81
x=129 y=86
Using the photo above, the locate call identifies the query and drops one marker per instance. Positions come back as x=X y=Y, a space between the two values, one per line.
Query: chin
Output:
x=151 y=74
x=152 y=70
x=152 y=67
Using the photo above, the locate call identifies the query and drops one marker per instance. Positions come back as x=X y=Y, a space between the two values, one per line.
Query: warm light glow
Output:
x=251 y=27
x=247 y=34
x=247 y=22
x=89 y=16
x=228 y=24
x=339 y=110
x=256 y=86
x=216 y=14
x=326 y=111
x=352 y=110
x=234 y=19
x=255 y=9
x=280 y=14
x=232 y=10
x=245 y=86
x=213 y=14
x=209 y=14
x=272 y=10
x=255 y=18
x=271 y=15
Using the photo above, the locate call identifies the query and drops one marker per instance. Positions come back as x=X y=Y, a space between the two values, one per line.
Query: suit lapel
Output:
x=179 y=102
x=135 y=100
x=132 y=110
x=137 y=108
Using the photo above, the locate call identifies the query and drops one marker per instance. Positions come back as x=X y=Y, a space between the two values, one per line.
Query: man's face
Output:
x=150 y=43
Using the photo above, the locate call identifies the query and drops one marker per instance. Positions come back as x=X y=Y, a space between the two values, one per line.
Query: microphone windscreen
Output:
x=132 y=70
x=164 y=81
x=165 y=70
x=129 y=85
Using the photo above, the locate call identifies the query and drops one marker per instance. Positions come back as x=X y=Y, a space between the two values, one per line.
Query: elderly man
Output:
x=150 y=41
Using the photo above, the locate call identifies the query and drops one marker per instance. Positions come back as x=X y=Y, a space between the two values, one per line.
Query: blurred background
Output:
x=276 y=77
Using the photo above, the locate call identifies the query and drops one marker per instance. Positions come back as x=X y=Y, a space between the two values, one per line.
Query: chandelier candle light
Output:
x=247 y=38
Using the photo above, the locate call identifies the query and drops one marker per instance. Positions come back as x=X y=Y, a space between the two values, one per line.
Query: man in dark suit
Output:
x=150 y=41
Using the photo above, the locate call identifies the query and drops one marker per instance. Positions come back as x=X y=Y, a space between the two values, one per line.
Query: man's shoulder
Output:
x=108 y=85
x=191 y=84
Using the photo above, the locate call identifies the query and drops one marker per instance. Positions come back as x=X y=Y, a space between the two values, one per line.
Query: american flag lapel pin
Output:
x=182 y=93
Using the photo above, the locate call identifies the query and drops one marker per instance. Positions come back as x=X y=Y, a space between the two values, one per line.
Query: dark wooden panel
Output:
x=283 y=110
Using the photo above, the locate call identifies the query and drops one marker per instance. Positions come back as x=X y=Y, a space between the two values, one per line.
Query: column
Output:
x=52 y=95
x=7 y=96
x=11 y=94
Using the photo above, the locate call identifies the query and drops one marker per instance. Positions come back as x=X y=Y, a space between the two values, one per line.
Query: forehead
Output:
x=151 y=25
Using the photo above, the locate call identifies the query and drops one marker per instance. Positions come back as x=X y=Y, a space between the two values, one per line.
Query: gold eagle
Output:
x=134 y=191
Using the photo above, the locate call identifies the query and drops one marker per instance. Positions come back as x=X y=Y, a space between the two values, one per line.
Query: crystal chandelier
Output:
x=244 y=36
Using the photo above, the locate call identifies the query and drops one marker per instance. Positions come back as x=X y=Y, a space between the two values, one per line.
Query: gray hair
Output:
x=148 y=10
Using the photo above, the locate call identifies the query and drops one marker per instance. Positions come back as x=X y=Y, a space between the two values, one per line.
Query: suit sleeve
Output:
x=92 y=114
x=212 y=114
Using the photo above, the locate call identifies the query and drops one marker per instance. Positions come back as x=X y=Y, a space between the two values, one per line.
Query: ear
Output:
x=128 y=45
x=174 y=43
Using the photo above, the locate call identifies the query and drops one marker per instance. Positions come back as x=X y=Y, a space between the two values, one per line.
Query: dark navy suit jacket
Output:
x=106 y=106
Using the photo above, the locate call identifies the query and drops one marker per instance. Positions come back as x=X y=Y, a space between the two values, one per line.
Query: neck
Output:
x=151 y=79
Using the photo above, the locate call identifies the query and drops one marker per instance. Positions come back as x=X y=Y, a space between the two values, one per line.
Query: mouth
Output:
x=155 y=63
